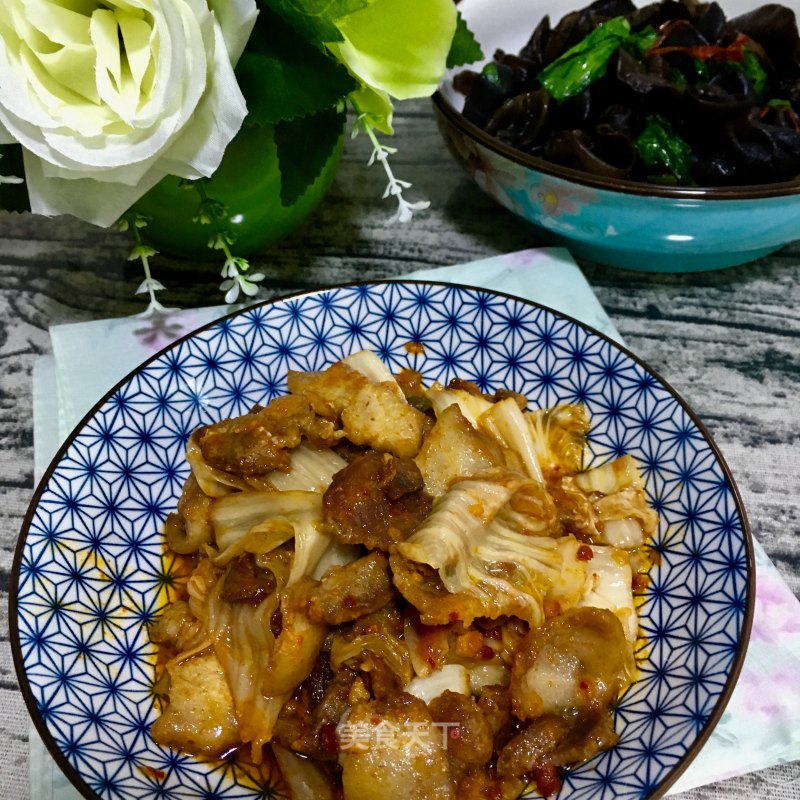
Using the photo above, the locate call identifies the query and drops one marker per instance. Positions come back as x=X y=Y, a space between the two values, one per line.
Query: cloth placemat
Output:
x=759 y=727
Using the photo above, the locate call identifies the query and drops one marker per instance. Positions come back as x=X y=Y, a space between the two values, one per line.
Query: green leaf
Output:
x=315 y=20
x=659 y=146
x=464 y=49
x=375 y=107
x=586 y=61
x=141 y=251
x=283 y=77
x=639 y=43
x=751 y=67
x=492 y=74
x=303 y=150
x=398 y=46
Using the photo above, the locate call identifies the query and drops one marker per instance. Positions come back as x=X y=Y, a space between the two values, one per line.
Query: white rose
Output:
x=109 y=96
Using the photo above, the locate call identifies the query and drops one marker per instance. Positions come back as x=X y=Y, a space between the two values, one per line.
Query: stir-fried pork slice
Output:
x=388 y=619
x=591 y=736
x=261 y=441
x=176 y=628
x=246 y=582
x=374 y=646
x=329 y=391
x=484 y=784
x=188 y=529
x=334 y=704
x=469 y=737
x=532 y=746
x=495 y=705
x=531 y=754
x=392 y=750
x=550 y=743
x=376 y=500
x=575 y=663
x=373 y=414
x=472 y=728
x=423 y=588
x=352 y=590
x=307 y=722
x=200 y=717
x=455 y=449
x=379 y=419
x=566 y=675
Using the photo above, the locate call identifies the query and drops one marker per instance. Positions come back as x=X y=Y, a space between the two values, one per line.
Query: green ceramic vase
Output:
x=248 y=183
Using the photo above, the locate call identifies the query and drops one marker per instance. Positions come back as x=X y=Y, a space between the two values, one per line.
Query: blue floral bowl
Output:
x=90 y=573
x=611 y=221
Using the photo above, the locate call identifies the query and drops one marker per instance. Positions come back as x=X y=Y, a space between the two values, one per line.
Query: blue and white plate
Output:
x=89 y=572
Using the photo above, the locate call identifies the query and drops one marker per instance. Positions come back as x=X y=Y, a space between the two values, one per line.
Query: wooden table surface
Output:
x=728 y=341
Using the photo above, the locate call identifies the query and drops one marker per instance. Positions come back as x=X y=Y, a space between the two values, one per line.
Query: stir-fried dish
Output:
x=401 y=591
x=670 y=93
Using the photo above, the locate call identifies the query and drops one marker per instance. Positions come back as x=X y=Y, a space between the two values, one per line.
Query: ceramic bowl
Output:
x=610 y=221
x=90 y=572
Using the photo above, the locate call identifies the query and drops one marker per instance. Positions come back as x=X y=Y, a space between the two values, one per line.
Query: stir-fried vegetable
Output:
x=480 y=550
x=402 y=590
x=669 y=93
x=450 y=678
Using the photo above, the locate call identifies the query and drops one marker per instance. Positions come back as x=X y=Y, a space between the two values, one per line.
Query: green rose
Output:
x=106 y=98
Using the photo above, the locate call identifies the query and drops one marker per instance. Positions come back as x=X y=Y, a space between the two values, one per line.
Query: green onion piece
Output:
x=659 y=146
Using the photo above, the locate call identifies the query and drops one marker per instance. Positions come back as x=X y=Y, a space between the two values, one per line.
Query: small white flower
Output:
x=405 y=210
x=236 y=280
x=380 y=153
x=150 y=284
x=395 y=188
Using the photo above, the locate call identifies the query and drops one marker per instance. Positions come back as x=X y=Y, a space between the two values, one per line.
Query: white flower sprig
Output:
x=134 y=222
x=381 y=152
x=235 y=269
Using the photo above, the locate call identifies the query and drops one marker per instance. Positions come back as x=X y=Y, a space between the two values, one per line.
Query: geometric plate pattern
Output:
x=89 y=573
